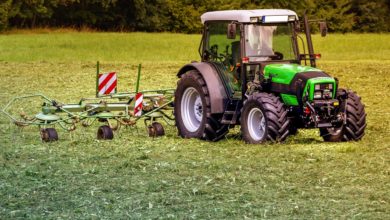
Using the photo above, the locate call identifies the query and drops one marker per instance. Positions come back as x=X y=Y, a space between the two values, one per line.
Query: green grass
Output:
x=135 y=176
x=114 y=47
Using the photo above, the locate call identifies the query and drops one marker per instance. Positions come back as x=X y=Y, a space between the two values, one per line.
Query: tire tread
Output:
x=213 y=129
x=276 y=115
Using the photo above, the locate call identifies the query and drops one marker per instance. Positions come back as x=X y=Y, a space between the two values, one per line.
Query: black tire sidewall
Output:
x=327 y=134
x=159 y=129
x=184 y=84
x=50 y=135
x=105 y=133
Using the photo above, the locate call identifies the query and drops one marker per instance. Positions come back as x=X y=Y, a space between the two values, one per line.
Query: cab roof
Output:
x=243 y=15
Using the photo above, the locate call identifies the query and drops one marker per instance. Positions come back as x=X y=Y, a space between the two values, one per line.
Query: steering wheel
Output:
x=212 y=52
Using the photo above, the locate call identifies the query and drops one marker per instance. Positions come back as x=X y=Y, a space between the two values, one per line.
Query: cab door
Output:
x=224 y=53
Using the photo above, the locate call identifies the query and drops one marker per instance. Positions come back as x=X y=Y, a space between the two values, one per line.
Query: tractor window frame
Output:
x=293 y=36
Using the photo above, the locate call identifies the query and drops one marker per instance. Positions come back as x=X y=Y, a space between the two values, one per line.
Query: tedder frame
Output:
x=114 y=110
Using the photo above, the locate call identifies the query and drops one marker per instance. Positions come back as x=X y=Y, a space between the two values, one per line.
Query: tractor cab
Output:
x=240 y=43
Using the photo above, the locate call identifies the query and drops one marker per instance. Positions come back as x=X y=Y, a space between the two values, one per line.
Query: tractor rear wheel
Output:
x=355 y=115
x=192 y=109
x=264 y=117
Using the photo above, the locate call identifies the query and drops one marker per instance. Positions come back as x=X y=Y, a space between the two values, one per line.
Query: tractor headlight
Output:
x=317 y=95
x=323 y=91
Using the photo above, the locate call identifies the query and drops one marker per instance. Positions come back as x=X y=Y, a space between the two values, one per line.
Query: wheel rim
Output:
x=256 y=124
x=191 y=109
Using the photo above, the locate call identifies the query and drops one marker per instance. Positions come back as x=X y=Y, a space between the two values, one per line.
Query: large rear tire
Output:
x=355 y=115
x=192 y=109
x=264 y=118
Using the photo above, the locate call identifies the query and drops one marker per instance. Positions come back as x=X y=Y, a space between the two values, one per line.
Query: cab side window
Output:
x=220 y=49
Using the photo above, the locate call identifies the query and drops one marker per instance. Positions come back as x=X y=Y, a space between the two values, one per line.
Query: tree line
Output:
x=182 y=15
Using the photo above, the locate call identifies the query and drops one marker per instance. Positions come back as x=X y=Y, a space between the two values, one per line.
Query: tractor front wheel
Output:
x=264 y=117
x=355 y=120
x=192 y=109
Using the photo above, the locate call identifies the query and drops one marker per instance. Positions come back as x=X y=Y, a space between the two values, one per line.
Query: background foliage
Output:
x=182 y=15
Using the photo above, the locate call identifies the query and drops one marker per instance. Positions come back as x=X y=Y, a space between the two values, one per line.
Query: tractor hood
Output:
x=284 y=73
x=294 y=81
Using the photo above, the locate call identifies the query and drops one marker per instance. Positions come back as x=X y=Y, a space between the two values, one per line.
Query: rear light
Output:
x=245 y=60
x=317 y=56
x=307 y=110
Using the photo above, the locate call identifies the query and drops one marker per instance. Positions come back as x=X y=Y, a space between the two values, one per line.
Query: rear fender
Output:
x=218 y=96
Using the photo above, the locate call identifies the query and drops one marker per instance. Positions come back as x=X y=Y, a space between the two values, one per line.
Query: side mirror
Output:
x=323 y=28
x=231 y=32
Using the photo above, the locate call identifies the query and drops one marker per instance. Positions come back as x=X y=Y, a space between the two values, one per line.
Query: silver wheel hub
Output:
x=198 y=108
x=256 y=124
x=191 y=109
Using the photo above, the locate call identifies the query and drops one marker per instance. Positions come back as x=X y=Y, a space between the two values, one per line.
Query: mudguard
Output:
x=217 y=92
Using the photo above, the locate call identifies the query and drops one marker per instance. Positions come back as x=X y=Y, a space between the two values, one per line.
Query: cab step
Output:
x=231 y=112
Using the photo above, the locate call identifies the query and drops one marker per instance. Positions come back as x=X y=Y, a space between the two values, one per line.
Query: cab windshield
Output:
x=269 y=42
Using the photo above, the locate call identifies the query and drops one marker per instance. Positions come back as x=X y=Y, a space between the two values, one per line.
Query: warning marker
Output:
x=107 y=83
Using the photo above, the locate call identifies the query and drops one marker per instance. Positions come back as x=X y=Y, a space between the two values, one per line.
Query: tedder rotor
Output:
x=111 y=108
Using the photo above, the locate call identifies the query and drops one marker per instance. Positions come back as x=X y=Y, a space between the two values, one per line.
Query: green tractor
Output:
x=254 y=73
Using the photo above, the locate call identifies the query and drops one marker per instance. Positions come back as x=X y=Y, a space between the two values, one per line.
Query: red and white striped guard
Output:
x=107 y=83
x=138 y=104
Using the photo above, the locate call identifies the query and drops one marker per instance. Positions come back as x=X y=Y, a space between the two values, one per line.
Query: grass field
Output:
x=134 y=176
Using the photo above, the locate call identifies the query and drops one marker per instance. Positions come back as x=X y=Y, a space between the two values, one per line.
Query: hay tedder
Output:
x=111 y=108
